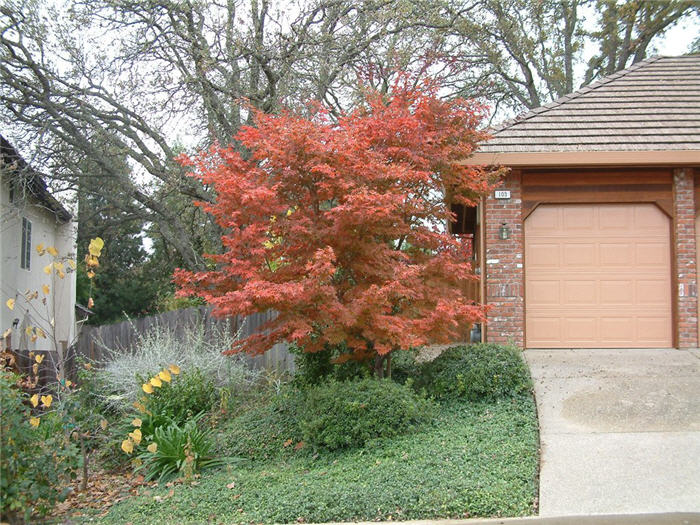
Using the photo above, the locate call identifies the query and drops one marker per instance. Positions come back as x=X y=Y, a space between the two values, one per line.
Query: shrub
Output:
x=160 y=347
x=313 y=368
x=475 y=372
x=179 y=449
x=268 y=429
x=184 y=397
x=348 y=414
x=404 y=366
x=36 y=462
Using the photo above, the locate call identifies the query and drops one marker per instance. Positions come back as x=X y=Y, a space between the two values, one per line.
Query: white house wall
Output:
x=60 y=303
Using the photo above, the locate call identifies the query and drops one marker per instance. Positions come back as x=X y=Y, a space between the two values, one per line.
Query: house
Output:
x=41 y=318
x=592 y=239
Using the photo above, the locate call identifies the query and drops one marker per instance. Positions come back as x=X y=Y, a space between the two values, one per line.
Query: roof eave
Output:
x=588 y=158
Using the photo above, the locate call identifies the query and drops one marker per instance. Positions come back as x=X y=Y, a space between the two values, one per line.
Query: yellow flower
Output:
x=128 y=446
x=10 y=304
x=71 y=263
x=61 y=274
x=40 y=332
x=139 y=406
x=90 y=274
x=136 y=436
x=47 y=400
x=40 y=248
x=155 y=381
x=34 y=400
x=68 y=383
x=52 y=251
x=39 y=358
x=136 y=422
x=45 y=289
x=47 y=269
x=96 y=246
x=35 y=368
x=147 y=388
x=174 y=369
x=91 y=302
x=152 y=448
x=165 y=376
x=34 y=421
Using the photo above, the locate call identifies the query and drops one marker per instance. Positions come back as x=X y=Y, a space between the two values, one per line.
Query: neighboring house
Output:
x=30 y=216
x=600 y=211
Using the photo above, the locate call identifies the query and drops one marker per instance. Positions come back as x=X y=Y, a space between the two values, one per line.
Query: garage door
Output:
x=597 y=276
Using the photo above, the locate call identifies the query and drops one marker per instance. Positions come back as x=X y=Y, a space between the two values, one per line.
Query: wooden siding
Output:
x=588 y=186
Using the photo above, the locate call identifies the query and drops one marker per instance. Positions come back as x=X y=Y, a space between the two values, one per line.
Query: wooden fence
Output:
x=95 y=341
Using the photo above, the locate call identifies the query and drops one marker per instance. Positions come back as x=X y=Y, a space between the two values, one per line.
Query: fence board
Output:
x=93 y=340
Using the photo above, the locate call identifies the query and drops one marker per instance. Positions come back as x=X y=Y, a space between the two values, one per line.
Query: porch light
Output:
x=504 y=232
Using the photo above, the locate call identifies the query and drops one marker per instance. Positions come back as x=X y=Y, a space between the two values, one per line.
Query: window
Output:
x=26 y=244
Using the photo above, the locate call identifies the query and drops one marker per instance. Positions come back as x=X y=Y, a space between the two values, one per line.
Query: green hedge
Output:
x=348 y=414
x=476 y=372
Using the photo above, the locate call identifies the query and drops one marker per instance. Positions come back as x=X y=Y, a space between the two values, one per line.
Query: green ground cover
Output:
x=474 y=459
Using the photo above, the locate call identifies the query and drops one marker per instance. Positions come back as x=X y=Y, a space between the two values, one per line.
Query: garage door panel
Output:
x=543 y=255
x=617 y=329
x=580 y=292
x=545 y=292
x=547 y=219
x=577 y=218
x=617 y=254
x=615 y=218
x=650 y=254
x=653 y=292
x=580 y=255
x=618 y=292
x=545 y=330
x=597 y=276
x=653 y=330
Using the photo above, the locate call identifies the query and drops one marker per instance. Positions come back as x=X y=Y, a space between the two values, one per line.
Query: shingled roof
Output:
x=13 y=164
x=652 y=106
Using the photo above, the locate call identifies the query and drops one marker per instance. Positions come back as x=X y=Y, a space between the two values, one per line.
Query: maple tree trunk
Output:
x=382 y=366
x=379 y=366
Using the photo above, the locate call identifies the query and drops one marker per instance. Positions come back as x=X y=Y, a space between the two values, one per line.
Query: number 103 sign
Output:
x=502 y=194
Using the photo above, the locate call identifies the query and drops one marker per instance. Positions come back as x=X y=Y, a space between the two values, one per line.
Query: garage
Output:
x=598 y=276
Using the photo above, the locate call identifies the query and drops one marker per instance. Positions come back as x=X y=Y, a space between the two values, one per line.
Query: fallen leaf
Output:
x=287 y=443
x=231 y=485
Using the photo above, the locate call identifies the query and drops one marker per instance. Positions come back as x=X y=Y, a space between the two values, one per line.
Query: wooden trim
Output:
x=482 y=260
x=588 y=158
x=674 y=278
x=612 y=186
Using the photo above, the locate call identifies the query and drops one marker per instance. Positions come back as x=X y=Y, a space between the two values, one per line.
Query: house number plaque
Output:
x=502 y=194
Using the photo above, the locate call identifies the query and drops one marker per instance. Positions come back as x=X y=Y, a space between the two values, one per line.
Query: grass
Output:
x=475 y=460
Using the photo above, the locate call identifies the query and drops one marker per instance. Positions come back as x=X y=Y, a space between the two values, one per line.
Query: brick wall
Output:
x=685 y=249
x=504 y=266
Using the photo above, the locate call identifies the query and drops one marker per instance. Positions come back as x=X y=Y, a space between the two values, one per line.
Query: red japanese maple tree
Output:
x=341 y=226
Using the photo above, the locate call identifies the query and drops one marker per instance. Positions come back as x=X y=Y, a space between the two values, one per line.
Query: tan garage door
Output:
x=597 y=276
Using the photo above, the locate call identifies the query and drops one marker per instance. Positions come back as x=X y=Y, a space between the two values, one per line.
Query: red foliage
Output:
x=340 y=227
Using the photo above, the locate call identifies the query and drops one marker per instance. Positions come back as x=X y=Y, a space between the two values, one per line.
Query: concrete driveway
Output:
x=620 y=430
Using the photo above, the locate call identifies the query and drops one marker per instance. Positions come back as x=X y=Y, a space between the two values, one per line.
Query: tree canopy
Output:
x=340 y=226
x=109 y=81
